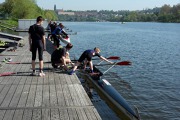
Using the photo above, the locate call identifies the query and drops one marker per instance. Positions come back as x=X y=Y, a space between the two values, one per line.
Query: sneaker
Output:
x=72 y=72
x=8 y=59
x=41 y=74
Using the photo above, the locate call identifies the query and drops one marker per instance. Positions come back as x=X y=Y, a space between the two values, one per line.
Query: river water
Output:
x=152 y=82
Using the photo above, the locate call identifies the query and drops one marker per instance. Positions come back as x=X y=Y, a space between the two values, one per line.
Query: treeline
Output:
x=28 y=9
x=24 y=9
x=165 y=13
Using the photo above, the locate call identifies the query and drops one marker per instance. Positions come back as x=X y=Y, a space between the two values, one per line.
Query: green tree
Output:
x=25 y=9
x=50 y=15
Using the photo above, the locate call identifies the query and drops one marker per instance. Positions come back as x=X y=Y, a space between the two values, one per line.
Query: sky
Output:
x=103 y=4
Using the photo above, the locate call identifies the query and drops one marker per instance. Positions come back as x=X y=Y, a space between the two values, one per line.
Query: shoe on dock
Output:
x=41 y=74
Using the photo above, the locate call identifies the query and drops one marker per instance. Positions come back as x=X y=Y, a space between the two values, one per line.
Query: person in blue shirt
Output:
x=58 y=32
x=87 y=57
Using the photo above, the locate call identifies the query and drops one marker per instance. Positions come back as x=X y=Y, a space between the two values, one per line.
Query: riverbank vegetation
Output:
x=12 y=10
x=28 y=9
x=166 y=13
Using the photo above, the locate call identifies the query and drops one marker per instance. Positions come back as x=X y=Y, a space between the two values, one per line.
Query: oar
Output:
x=111 y=57
x=22 y=62
x=116 y=63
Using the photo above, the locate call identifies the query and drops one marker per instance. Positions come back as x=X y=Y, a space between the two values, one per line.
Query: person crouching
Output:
x=60 y=57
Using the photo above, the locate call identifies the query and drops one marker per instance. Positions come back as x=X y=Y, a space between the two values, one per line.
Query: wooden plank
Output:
x=4 y=92
x=96 y=114
x=24 y=96
x=28 y=77
x=85 y=96
x=21 y=79
x=60 y=95
x=29 y=80
x=46 y=96
x=91 y=113
x=56 y=78
x=46 y=114
x=63 y=80
x=18 y=115
x=2 y=113
x=17 y=78
x=72 y=114
x=74 y=95
x=36 y=114
x=9 y=115
x=1 y=87
x=31 y=96
x=80 y=95
x=54 y=114
x=53 y=96
x=66 y=95
x=81 y=114
x=67 y=78
x=16 y=97
x=51 y=79
x=38 y=97
x=89 y=116
x=34 y=80
x=63 y=114
x=27 y=114
x=40 y=80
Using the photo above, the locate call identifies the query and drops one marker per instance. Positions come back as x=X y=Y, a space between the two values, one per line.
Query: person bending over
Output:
x=87 y=58
x=58 y=32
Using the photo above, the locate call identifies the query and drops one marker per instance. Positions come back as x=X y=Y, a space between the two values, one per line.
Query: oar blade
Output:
x=124 y=63
x=7 y=73
x=114 y=58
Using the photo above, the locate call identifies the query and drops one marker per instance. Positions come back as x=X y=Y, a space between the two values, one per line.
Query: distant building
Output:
x=62 y=12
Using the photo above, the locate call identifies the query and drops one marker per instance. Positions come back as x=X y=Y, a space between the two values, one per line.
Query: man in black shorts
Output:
x=60 y=57
x=87 y=56
x=37 y=42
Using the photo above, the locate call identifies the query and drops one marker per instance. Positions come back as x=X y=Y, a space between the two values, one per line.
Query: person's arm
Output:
x=64 y=62
x=44 y=42
x=30 y=42
x=103 y=58
x=64 y=33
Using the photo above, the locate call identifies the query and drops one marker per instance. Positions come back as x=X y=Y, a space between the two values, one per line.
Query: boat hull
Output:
x=111 y=96
x=65 y=40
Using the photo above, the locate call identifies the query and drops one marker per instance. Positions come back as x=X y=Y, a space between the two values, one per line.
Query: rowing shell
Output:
x=65 y=40
x=111 y=96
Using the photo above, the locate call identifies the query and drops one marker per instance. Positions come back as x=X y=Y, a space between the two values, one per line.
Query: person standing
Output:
x=37 y=42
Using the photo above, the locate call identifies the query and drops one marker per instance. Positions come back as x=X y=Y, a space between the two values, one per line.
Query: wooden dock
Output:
x=53 y=97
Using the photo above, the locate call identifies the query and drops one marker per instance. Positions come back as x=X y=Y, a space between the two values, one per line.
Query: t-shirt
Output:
x=58 y=53
x=89 y=54
x=57 y=31
x=36 y=31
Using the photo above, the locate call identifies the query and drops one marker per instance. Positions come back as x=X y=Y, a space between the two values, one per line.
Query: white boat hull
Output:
x=65 y=40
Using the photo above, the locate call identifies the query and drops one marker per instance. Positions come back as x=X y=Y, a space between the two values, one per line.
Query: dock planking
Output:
x=57 y=96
